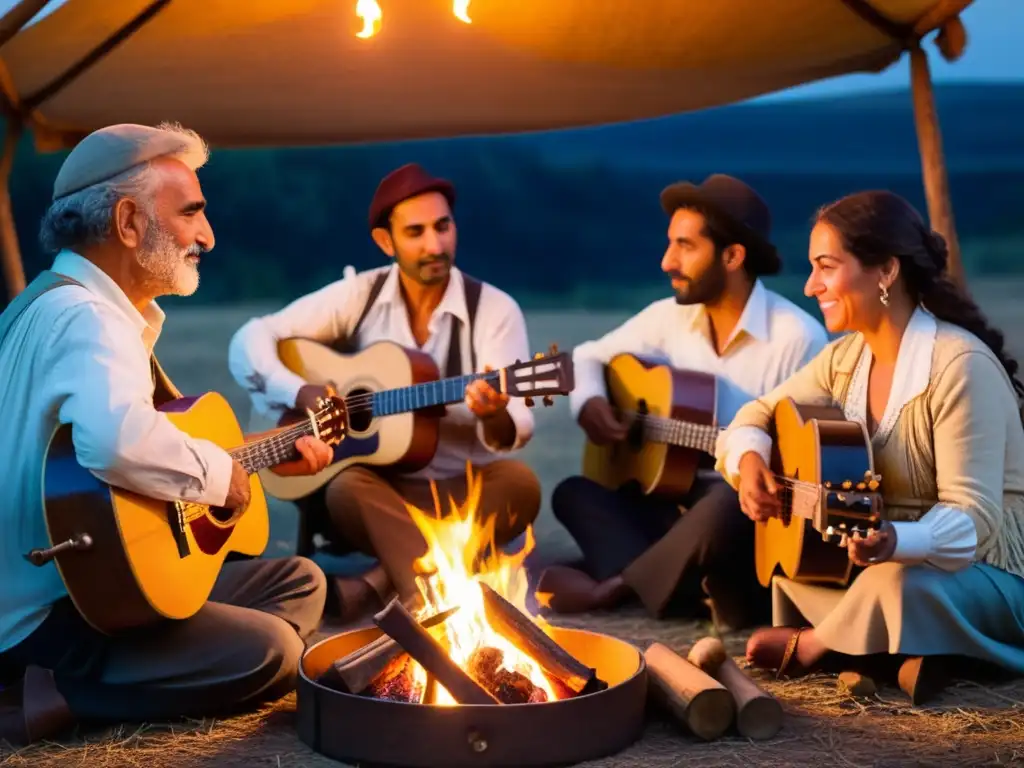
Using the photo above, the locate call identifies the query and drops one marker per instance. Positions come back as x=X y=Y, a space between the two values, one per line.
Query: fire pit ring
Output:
x=369 y=731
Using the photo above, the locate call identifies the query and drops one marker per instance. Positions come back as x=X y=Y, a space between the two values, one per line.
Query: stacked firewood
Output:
x=707 y=692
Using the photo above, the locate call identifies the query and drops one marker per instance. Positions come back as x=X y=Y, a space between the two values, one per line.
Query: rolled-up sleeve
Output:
x=105 y=387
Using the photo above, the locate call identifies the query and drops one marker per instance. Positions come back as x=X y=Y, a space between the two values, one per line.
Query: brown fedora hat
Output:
x=401 y=184
x=740 y=205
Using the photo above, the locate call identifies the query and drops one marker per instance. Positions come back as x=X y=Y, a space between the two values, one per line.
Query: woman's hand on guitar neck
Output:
x=877 y=547
x=758 y=488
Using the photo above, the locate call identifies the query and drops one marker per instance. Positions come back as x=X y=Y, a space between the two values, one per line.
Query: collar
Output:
x=910 y=377
x=753 y=320
x=452 y=302
x=149 y=322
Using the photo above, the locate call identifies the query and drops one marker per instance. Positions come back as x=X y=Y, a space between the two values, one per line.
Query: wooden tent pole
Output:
x=18 y=16
x=933 y=164
x=14 y=271
x=11 y=24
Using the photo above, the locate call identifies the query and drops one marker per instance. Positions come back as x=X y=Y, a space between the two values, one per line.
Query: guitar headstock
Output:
x=331 y=417
x=543 y=376
x=850 y=507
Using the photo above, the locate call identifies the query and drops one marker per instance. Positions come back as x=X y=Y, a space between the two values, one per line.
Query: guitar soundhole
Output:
x=360 y=409
x=221 y=514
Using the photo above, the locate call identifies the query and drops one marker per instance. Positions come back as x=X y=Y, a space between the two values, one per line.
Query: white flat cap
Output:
x=110 y=151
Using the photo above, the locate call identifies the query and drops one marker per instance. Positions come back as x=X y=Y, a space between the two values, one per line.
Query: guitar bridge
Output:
x=176 y=520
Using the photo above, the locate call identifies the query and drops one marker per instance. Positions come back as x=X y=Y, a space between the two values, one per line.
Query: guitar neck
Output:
x=426 y=395
x=272 y=450
x=686 y=434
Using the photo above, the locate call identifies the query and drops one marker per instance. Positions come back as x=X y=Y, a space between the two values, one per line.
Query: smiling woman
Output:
x=927 y=376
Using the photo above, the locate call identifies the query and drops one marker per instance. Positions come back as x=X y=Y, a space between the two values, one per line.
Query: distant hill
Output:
x=561 y=212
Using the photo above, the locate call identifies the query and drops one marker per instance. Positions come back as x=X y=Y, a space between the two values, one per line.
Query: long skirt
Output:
x=913 y=610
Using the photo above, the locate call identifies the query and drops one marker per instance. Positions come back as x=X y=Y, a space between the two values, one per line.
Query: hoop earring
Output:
x=883 y=295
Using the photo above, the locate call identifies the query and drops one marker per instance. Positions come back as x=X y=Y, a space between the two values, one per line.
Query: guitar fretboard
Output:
x=271 y=451
x=659 y=429
x=425 y=395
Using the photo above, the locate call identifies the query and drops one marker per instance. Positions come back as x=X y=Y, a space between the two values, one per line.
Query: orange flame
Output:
x=461 y=553
x=369 y=11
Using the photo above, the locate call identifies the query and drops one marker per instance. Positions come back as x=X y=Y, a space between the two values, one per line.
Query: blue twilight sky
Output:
x=994 y=52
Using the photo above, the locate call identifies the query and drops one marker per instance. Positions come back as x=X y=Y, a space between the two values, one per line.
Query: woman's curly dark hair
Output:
x=878 y=224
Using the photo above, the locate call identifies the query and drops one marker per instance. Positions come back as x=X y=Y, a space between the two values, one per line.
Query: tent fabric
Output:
x=293 y=72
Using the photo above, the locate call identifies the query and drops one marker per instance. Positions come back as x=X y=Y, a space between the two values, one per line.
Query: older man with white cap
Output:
x=127 y=224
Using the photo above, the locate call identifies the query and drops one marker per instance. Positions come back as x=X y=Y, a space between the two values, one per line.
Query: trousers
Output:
x=675 y=554
x=242 y=648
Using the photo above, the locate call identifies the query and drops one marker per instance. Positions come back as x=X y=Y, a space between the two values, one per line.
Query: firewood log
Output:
x=758 y=713
x=696 y=699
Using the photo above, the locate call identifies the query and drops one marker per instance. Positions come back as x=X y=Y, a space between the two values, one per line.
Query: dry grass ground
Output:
x=972 y=724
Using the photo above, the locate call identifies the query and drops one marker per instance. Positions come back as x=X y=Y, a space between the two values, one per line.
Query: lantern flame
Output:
x=369 y=11
x=461 y=10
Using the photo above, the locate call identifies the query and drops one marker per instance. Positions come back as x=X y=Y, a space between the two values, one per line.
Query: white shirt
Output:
x=330 y=313
x=772 y=339
x=944 y=537
x=81 y=356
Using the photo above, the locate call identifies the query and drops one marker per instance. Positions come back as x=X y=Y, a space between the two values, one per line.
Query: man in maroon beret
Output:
x=421 y=301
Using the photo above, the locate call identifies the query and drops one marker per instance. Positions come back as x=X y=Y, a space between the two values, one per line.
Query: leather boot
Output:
x=35 y=709
x=923 y=678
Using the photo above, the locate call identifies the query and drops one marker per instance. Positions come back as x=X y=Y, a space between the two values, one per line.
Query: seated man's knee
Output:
x=269 y=655
x=569 y=495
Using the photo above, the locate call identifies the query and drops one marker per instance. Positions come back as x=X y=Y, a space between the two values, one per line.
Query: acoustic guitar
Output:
x=671 y=414
x=394 y=399
x=824 y=470
x=127 y=560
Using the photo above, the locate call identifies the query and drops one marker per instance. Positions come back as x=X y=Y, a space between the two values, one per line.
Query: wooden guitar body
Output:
x=644 y=385
x=136 y=568
x=831 y=461
x=395 y=401
x=406 y=441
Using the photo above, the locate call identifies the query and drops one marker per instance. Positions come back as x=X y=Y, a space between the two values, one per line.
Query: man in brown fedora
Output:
x=127 y=224
x=420 y=301
x=722 y=321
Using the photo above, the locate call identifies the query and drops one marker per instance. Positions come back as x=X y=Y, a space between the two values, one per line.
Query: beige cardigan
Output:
x=951 y=435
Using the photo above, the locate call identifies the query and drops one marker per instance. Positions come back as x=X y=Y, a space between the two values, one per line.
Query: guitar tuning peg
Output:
x=528 y=401
x=548 y=400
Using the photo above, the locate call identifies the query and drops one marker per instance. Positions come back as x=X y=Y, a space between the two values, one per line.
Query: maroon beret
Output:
x=408 y=181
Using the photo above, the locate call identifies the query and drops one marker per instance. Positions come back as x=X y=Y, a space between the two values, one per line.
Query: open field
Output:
x=971 y=725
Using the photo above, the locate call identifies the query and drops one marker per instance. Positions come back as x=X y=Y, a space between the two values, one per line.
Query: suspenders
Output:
x=472 y=288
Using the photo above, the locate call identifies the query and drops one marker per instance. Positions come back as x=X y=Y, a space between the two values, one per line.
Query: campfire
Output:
x=470 y=639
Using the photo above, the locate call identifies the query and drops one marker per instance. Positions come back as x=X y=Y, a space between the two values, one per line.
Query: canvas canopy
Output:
x=293 y=72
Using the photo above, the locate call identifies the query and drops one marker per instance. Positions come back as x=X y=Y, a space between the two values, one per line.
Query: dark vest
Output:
x=471 y=288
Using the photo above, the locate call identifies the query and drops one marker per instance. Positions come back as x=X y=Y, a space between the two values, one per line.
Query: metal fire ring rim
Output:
x=641 y=669
x=449 y=735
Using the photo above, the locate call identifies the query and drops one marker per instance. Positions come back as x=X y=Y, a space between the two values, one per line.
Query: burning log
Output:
x=354 y=673
x=396 y=682
x=522 y=632
x=758 y=713
x=507 y=686
x=397 y=622
x=695 y=698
